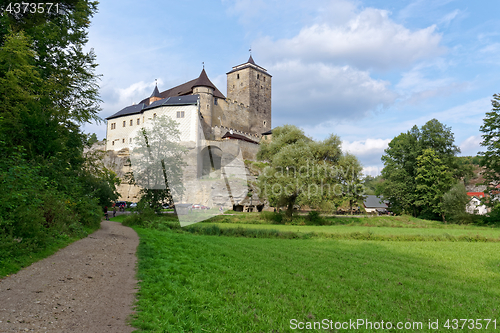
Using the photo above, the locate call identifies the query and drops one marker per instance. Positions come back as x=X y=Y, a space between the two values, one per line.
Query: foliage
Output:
x=433 y=180
x=302 y=171
x=454 y=204
x=48 y=88
x=401 y=165
x=491 y=141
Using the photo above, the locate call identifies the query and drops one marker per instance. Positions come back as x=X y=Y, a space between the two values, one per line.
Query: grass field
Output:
x=197 y=283
x=376 y=230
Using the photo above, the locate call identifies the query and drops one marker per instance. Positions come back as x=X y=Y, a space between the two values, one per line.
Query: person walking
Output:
x=106 y=213
x=114 y=210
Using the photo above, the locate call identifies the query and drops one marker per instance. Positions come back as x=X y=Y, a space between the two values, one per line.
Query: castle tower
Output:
x=250 y=84
x=204 y=88
x=155 y=96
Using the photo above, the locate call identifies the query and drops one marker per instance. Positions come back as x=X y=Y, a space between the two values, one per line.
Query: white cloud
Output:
x=366 y=147
x=306 y=93
x=370 y=39
x=372 y=170
x=446 y=20
x=471 y=145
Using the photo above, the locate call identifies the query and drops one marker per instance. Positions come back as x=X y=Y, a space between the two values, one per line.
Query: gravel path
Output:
x=89 y=286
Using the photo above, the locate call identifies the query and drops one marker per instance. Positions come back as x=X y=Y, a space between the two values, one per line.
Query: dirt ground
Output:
x=89 y=286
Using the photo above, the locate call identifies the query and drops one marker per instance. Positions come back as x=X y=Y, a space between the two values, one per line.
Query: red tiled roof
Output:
x=476 y=194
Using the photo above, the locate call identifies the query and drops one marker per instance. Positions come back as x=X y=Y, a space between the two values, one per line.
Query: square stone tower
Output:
x=250 y=85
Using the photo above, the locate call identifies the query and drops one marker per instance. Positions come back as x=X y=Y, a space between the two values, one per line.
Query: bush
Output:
x=276 y=218
x=314 y=218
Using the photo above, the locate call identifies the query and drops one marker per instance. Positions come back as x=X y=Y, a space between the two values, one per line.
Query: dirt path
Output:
x=88 y=286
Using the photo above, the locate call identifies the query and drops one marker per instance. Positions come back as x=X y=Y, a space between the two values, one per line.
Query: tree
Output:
x=401 y=164
x=433 y=180
x=491 y=141
x=157 y=160
x=302 y=171
x=454 y=204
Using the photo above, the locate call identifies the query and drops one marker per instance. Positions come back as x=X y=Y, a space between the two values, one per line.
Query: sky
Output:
x=363 y=70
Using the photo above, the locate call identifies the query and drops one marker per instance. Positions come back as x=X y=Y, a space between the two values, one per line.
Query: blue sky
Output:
x=364 y=70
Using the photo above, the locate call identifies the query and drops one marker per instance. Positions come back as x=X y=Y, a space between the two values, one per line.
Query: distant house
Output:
x=475 y=206
x=374 y=204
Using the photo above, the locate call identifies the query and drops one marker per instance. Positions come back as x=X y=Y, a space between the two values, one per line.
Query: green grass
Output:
x=347 y=229
x=196 y=283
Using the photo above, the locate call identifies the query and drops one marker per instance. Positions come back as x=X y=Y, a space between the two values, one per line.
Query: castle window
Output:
x=124 y=123
x=112 y=143
x=123 y=140
x=131 y=122
x=257 y=76
x=264 y=123
x=113 y=126
x=154 y=115
x=215 y=100
x=237 y=76
x=138 y=121
x=180 y=114
x=264 y=78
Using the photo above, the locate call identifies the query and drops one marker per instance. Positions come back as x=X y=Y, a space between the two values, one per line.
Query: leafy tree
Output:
x=491 y=141
x=302 y=171
x=433 y=180
x=454 y=204
x=157 y=160
x=401 y=164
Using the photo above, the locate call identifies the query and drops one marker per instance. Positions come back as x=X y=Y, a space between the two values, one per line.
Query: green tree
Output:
x=433 y=180
x=454 y=204
x=302 y=171
x=491 y=141
x=401 y=163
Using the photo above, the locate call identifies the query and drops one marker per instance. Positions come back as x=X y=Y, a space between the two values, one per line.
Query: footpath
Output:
x=88 y=286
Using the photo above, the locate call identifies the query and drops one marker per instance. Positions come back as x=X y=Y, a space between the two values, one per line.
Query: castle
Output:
x=212 y=127
x=244 y=115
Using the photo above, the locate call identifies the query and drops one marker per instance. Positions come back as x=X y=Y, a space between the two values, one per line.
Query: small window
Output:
x=131 y=122
x=238 y=76
x=154 y=115
x=124 y=123
x=138 y=121
x=180 y=114
x=264 y=123
x=123 y=140
x=264 y=78
x=215 y=100
x=257 y=76
x=112 y=143
x=130 y=140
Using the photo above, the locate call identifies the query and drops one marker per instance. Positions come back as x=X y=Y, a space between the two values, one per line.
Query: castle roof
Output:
x=230 y=135
x=203 y=81
x=140 y=108
x=155 y=93
x=187 y=88
x=249 y=64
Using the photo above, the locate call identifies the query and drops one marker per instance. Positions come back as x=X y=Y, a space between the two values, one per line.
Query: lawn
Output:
x=197 y=283
x=347 y=229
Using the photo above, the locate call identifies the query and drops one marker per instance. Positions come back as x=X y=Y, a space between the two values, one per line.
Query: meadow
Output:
x=192 y=282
